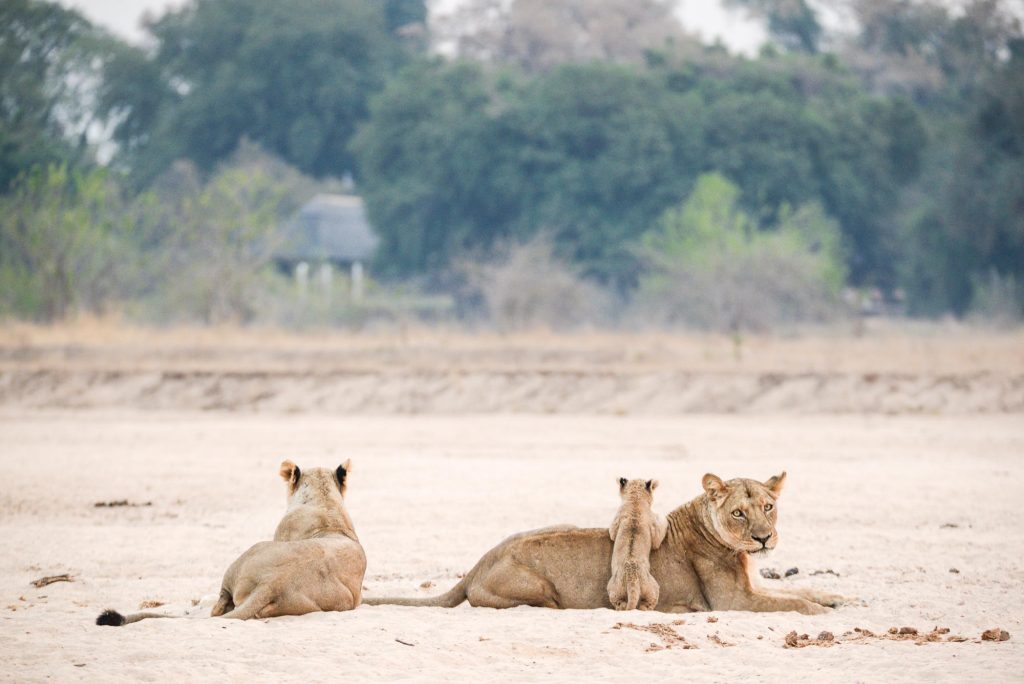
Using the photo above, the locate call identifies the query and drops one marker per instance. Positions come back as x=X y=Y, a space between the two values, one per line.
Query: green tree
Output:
x=986 y=197
x=712 y=266
x=794 y=129
x=454 y=160
x=456 y=157
x=428 y=165
x=602 y=151
x=209 y=245
x=958 y=228
x=793 y=24
x=404 y=13
x=293 y=77
x=47 y=62
x=65 y=244
x=922 y=49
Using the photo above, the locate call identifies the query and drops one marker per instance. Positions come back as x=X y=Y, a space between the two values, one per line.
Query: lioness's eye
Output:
x=768 y=507
x=737 y=513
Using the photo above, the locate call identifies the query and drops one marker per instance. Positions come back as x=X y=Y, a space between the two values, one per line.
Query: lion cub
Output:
x=636 y=530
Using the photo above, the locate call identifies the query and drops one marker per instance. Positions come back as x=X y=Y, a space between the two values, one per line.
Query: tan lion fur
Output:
x=635 y=531
x=314 y=563
x=703 y=564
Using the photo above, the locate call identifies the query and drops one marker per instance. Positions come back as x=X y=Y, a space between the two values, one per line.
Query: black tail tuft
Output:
x=110 y=618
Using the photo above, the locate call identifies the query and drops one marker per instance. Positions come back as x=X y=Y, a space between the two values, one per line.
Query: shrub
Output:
x=526 y=286
x=64 y=244
x=997 y=300
x=710 y=266
x=209 y=246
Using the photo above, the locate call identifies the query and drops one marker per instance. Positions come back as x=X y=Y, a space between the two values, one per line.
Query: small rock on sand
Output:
x=995 y=634
x=824 y=639
x=769 y=573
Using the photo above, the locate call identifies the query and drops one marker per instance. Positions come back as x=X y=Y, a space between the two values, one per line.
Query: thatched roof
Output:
x=329 y=228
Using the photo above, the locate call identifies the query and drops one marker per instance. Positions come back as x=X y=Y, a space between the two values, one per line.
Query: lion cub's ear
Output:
x=714 y=486
x=290 y=473
x=622 y=483
x=342 y=473
x=651 y=485
x=775 y=483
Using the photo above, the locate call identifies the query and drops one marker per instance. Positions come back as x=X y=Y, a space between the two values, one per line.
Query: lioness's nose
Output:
x=763 y=540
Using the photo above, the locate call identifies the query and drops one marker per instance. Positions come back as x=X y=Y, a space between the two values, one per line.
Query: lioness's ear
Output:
x=713 y=485
x=290 y=473
x=622 y=483
x=342 y=472
x=775 y=483
x=651 y=485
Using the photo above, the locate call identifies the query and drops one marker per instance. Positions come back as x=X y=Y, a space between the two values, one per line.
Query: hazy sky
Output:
x=706 y=17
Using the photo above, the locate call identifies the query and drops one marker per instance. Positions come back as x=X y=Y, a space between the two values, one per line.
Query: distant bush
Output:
x=527 y=286
x=710 y=266
x=998 y=300
x=208 y=246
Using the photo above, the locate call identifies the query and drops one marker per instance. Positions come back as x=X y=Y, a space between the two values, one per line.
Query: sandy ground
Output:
x=890 y=503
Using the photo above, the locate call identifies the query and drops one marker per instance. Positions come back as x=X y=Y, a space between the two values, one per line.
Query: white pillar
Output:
x=302 y=278
x=326 y=275
x=357 y=281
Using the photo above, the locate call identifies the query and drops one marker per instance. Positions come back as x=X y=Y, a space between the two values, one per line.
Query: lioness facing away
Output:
x=703 y=564
x=635 y=531
x=314 y=563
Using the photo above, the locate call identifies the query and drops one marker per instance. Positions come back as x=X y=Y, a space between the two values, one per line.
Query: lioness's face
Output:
x=743 y=511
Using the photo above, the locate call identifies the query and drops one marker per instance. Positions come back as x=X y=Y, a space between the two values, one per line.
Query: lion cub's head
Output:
x=637 y=490
x=743 y=511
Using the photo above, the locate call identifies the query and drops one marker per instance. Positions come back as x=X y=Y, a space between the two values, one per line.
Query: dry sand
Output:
x=890 y=503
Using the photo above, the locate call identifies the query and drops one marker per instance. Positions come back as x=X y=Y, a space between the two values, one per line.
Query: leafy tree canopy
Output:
x=455 y=157
x=293 y=77
x=47 y=62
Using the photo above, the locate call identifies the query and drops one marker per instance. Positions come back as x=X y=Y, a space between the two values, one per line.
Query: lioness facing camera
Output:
x=315 y=562
x=703 y=564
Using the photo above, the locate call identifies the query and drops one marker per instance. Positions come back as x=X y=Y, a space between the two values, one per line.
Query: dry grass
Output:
x=883 y=347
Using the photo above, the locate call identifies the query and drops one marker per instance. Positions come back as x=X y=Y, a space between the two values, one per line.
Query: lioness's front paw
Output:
x=830 y=600
x=812 y=608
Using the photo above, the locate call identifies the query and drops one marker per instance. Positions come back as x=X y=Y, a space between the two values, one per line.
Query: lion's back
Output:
x=577 y=561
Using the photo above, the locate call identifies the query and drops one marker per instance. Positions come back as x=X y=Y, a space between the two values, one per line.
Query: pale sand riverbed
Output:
x=891 y=504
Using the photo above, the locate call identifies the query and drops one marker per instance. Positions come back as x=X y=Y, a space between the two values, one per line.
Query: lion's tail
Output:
x=449 y=599
x=111 y=618
x=631 y=573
